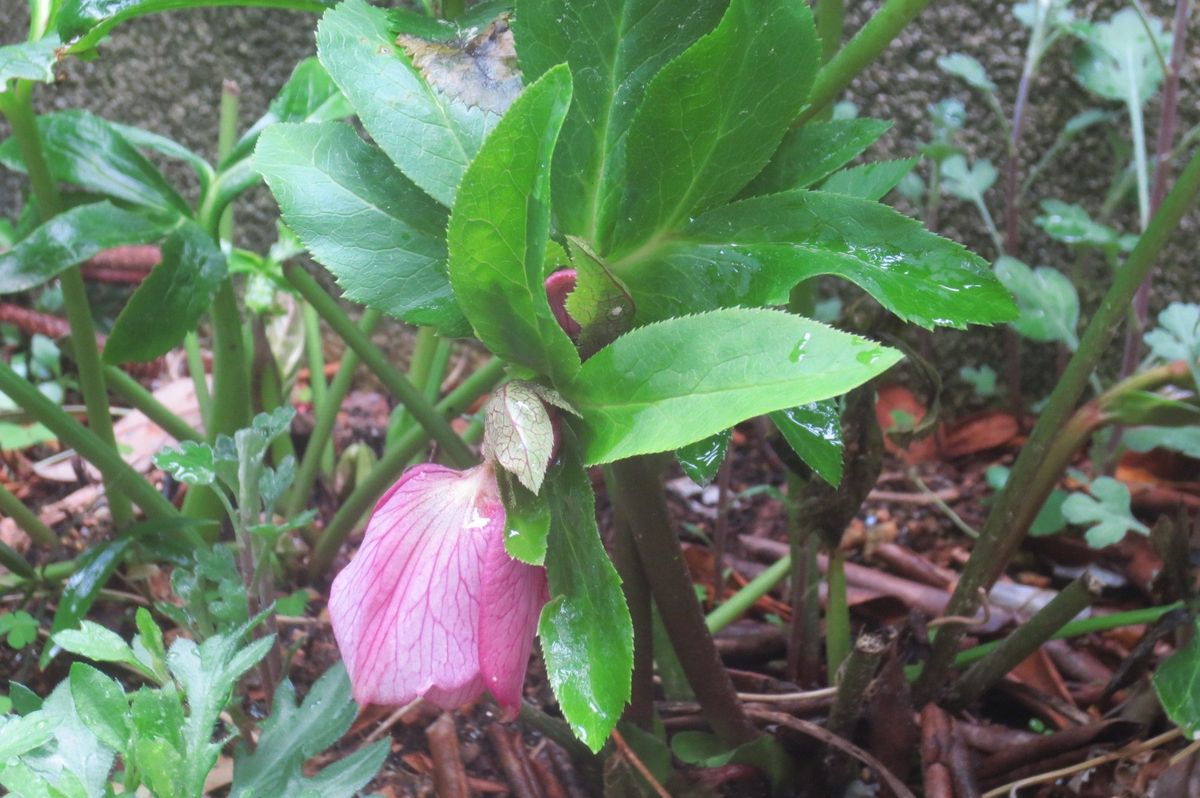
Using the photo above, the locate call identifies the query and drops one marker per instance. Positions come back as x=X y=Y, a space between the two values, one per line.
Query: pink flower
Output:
x=558 y=286
x=432 y=605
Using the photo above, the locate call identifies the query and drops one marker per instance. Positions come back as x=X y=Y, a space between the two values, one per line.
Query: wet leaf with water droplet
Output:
x=701 y=460
x=814 y=431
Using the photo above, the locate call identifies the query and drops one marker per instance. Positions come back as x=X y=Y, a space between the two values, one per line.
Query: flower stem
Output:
x=420 y=407
x=420 y=366
x=314 y=349
x=637 y=596
x=640 y=493
x=393 y=462
x=14 y=562
x=306 y=475
x=103 y=456
x=132 y=391
x=999 y=539
x=837 y=616
x=740 y=602
x=19 y=112
x=195 y=364
x=27 y=520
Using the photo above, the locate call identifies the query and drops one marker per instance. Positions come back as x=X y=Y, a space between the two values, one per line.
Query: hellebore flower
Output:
x=432 y=605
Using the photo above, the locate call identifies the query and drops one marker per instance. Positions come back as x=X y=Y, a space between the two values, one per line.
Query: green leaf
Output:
x=981 y=378
x=967 y=69
x=68 y=240
x=170 y=301
x=1175 y=682
x=527 y=518
x=870 y=181
x=29 y=61
x=498 y=232
x=19 y=628
x=600 y=303
x=669 y=384
x=702 y=460
x=1134 y=408
x=101 y=705
x=86 y=150
x=429 y=136
x=75 y=761
x=1143 y=439
x=1106 y=512
x=293 y=734
x=772 y=243
x=93 y=641
x=585 y=629
x=814 y=431
x=968 y=182
x=148 y=645
x=146 y=140
x=1047 y=304
x=1071 y=224
x=309 y=95
x=518 y=432
x=712 y=117
x=380 y=236
x=613 y=48
x=1117 y=59
x=93 y=570
x=21 y=734
x=1177 y=336
x=811 y=153
x=191 y=463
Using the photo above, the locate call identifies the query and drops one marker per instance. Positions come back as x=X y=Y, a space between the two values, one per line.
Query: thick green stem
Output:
x=640 y=495
x=315 y=350
x=14 y=562
x=132 y=391
x=26 y=519
x=79 y=313
x=104 y=457
x=1026 y=639
x=421 y=408
x=227 y=134
x=420 y=366
x=740 y=602
x=318 y=442
x=860 y=51
x=1000 y=537
x=195 y=364
x=837 y=616
x=829 y=15
x=393 y=462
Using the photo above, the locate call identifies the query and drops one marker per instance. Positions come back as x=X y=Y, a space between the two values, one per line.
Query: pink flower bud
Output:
x=432 y=605
x=558 y=286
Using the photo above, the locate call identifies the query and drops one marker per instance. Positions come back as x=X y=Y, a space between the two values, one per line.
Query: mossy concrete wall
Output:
x=164 y=72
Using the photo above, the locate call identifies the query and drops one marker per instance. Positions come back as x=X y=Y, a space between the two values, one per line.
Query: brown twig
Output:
x=638 y=765
x=449 y=773
x=514 y=761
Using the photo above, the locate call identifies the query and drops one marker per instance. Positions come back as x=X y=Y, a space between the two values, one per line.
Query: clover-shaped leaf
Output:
x=191 y=463
x=1120 y=59
x=982 y=379
x=1047 y=303
x=967 y=69
x=1071 y=224
x=968 y=181
x=1106 y=512
x=19 y=628
x=1177 y=336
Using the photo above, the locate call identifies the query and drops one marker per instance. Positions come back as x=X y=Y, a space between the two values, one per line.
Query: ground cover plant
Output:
x=618 y=218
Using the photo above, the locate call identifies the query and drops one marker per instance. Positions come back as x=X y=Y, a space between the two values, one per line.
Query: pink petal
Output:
x=558 y=286
x=406 y=611
x=513 y=596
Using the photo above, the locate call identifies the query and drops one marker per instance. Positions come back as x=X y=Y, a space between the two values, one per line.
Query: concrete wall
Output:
x=164 y=73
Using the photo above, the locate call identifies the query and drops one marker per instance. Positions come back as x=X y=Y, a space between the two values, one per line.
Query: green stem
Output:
x=315 y=350
x=104 y=457
x=830 y=17
x=740 y=602
x=132 y=392
x=636 y=587
x=861 y=665
x=79 y=313
x=393 y=462
x=453 y=9
x=837 y=616
x=318 y=442
x=227 y=133
x=26 y=519
x=420 y=365
x=1137 y=129
x=641 y=499
x=48 y=574
x=1026 y=639
x=14 y=562
x=231 y=376
x=407 y=393
x=195 y=364
x=1000 y=537
x=860 y=51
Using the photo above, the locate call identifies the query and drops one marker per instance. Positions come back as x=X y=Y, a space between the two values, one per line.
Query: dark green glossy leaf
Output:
x=702 y=460
x=429 y=136
x=712 y=117
x=870 y=181
x=1175 y=682
x=169 y=303
x=29 y=61
x=810 y=153
x=94 y=568
x=309 y=95
x=614 y=48
x=527 y=518
x=600 y=304
x=101 y=705
x=68 y=240
x=814 y=431
x=85 y=150
x=498 y=232
x=293 y=734
x=586 y=631
x=380 y=236
x=147 y=140
x=752 y=252
x=669 y=384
